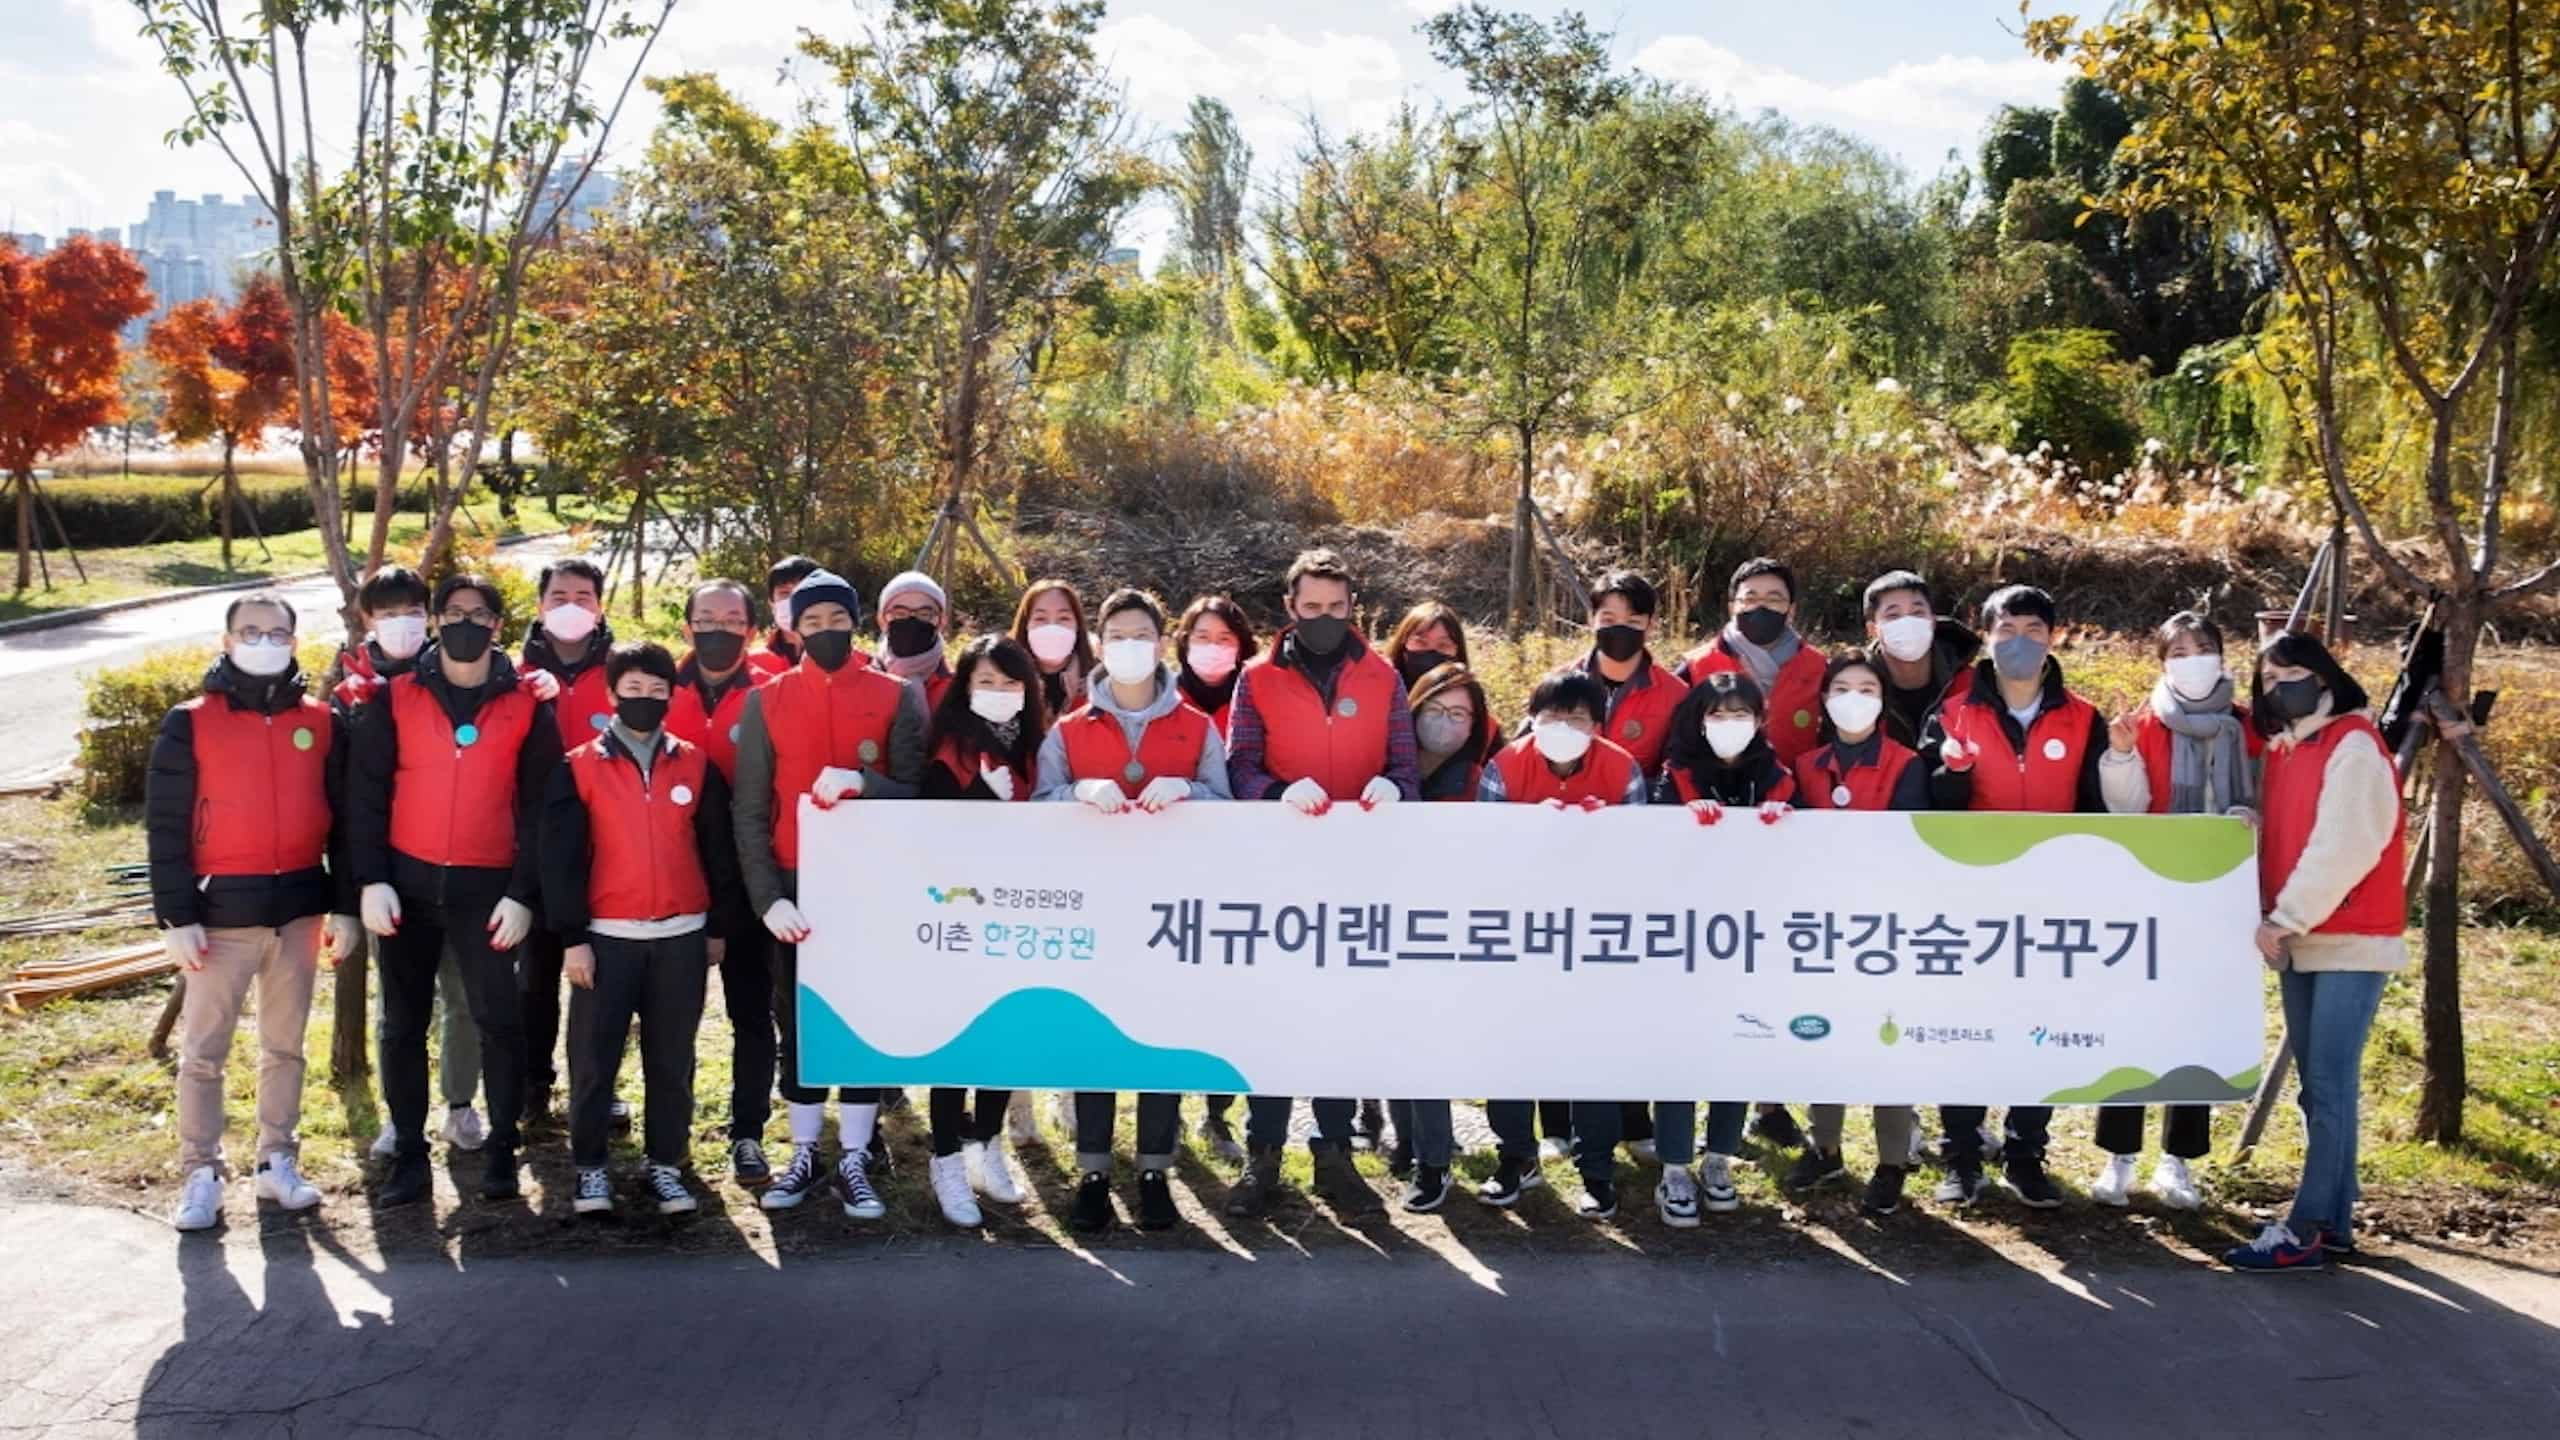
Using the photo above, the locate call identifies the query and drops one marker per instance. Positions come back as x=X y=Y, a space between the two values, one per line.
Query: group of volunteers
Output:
x=624 y=820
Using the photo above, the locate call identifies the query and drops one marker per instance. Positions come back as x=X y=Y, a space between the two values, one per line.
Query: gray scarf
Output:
x=2209 y=770
x=1763 y=665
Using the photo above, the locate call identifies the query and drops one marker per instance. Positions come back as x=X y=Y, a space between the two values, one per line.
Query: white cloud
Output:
x=1918 y=109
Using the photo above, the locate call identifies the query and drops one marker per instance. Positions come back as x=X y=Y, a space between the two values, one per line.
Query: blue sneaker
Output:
x=2276 y=1249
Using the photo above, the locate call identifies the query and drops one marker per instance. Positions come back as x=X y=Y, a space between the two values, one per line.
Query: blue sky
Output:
x=81 y=128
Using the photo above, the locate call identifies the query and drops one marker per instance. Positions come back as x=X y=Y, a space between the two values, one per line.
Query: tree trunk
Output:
x=25 y=484
x=639 y=546
x=1523 y=548
x=2447 y=1075
x=347 y=1026
x=230 y=499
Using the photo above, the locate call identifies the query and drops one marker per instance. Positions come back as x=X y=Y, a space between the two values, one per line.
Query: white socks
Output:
x=854 y=1124
x=808 y=1122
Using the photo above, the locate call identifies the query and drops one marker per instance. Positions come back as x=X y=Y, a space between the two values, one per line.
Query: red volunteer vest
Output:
x=2289 y=801
x=1170 y=745
x=767 y=660
x=1795 y=700
x=1528 y=779
x=2151 y=741
x=716 y=732
x=643 y=862
x=1822 y=784
x=2045 y=778
x=262 y=796
x=585 y=707
x=1341 y=748
x=1640 y=716
x=816 y=719
x=446 y=793
x=963 y=765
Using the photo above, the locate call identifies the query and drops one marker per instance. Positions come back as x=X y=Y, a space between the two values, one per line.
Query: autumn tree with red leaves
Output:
x=60 y=357
x=228 y=373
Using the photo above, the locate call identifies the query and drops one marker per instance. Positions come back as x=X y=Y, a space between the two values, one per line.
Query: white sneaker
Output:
x=1715 y=1178
x=386 y=1144
x=2114 y=1185
x=1555 y=1147
x=1644 y=1150
x=200 y=1201
x=464 y=1129
x=667 y=1183
x=595 y=1191
x=2173 y=1186
x=989 y=1175
x=1676 y=1198
x=280 y=1180
x=1021 y=1122
x=951 y=1187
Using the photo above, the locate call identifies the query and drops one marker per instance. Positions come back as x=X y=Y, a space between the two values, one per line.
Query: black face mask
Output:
x=829 y=648
x=2295 y=699
x=910 y=637
x=640 y=714
x=718 y=650
x=1418 y=663
x=1323 y=634
x=463 y=641
x=1761 y=625
x=1619 y=642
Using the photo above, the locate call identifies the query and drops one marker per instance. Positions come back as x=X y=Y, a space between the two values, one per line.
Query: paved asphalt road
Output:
x=116 y=1326
x=41 y=671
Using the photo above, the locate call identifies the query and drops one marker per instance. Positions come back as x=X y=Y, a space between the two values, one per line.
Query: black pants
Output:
x=746 y=985
x=1098 y=1114
x=786 y=1025
x=1218 y=1105
x=406 y=963
x=954 y=1123
x=660 y=983
x=2186 y=1131
x=540 y=967
x=2027 y=1131
x=1555 y=1119
x=1267 y=1122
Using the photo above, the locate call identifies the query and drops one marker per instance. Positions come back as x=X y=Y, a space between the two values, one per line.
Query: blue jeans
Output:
x=2327 y=1015
x=1426 y=1129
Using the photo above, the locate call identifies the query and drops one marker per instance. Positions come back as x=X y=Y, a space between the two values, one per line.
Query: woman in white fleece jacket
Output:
x=2329 y=877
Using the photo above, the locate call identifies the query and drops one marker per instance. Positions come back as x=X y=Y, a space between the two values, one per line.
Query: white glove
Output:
x=1162 y=791
x=380 y=906
x=186 y=946
x=544 y=685
x=783 y=919
x=999 y=779
x=834 y=784
x=1306 y=797
x=1103 y=795
x=509 y=923
x=1379 y=791
x=344 y=932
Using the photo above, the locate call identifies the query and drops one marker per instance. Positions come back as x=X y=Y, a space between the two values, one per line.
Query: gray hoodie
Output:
x=1208 y=775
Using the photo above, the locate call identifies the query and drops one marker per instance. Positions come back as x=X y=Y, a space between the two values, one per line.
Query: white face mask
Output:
x=2195 y=676
x=1560 y=742
x=1129 y=661
x=1730 y=737
x=1212 y=661
x=996 y=707
x=569 y=624
x=262 y=658
x=1908 y=637
x=1052 y=643
x=400 y=636
x=1854 y=712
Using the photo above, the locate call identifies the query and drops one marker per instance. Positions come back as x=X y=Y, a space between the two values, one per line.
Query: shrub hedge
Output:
x=156 y=509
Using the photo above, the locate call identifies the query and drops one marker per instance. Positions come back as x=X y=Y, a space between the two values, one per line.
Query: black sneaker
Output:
x=1400 y=1158
x=1250 y=1196
x=1884 y=1190
x=799 y=1180
x=1430 y=1187
x=1813 y=1168
x=1775 y=1126
x=1599 y=1200
x=1092 y=1214
x=595 y=1192
x=2035 y=1189
x=1342 y=1185
x=1155 y=1202
x=1962 y=1186
x=409 y=1182
x=747 y=1164
x=1515 y=1174
x=498 y=1179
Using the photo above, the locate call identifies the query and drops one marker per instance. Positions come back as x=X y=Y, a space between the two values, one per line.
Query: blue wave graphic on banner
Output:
x=1044 y=1039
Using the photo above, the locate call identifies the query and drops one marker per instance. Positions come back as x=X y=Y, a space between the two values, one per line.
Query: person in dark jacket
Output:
x=1922 y=653
x=564 y=658
x=640 y=883
x=444 y=790
x=2009 y=736
x=239 y=812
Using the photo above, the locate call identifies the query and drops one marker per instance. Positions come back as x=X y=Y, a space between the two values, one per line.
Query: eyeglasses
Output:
x=251 y=635
x=1448 y=712
x=478 y=615
x=929 y=613
x=721 y=627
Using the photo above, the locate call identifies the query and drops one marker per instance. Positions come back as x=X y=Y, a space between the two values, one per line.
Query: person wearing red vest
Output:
x=1921 y=653
x=444 y=786
x=639 y=881
x=2012 y=737
x=1317 y=720
x=2190 y=749
x=1760 y=641
x=833 y=730
x=1213 y=641
x=2331 y=847
x=779 y=649
x=1642 y=694
x=1859 y=767
x=913 y=610
x=709 y=703
x=239 y=815
x=564 y=658
x=1136 y=743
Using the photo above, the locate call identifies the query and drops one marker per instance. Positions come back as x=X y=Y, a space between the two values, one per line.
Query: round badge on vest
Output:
x=1840 y=797
x=869 y=750
x=1804 y=719
x=302 y=738
x=733 y=734
x=1634 y=730
x=682 y=794
x=1346 y=707
x=2055 y=749
x=467 y=735
x=1133 y=772
x=597 y=722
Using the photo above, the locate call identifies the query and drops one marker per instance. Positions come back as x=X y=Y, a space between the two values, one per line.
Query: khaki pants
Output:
x=282 y=964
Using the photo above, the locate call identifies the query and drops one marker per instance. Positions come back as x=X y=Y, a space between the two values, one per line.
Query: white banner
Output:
x=1483 y=951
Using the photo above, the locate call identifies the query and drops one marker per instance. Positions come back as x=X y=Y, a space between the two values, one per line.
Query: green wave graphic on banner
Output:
x=2133 y=1085
x=1029 y=1039
x=2190 y=854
